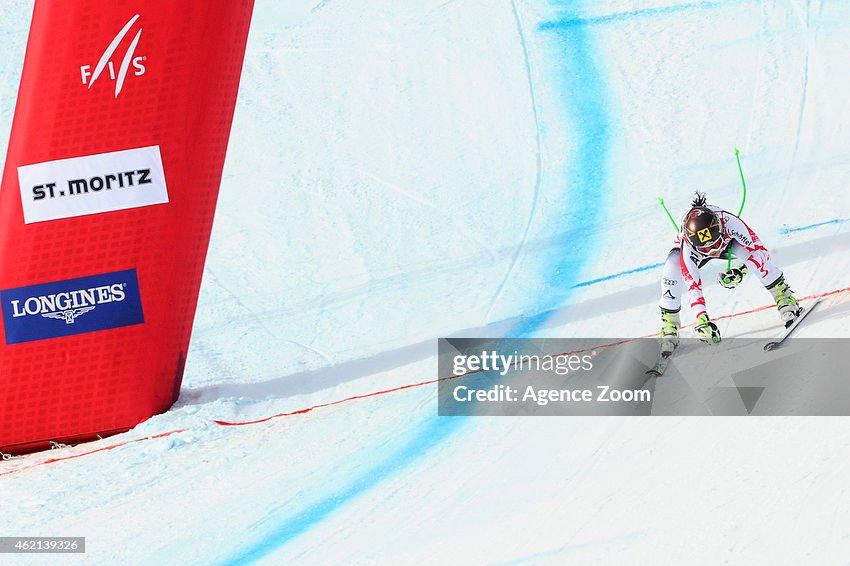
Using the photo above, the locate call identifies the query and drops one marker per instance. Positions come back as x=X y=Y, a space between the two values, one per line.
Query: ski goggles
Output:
x=712 y=249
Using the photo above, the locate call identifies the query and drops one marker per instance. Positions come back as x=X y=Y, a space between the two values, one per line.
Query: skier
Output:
x=709 y=232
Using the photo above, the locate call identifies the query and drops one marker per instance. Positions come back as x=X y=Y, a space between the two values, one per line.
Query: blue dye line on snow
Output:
x=786 y=230
x=585 y=104
x=586 y=175
x=433 y=434
x=565 y=23
x=616 y=275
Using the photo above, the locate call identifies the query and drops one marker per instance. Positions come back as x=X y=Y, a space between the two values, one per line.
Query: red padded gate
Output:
x=106 y=206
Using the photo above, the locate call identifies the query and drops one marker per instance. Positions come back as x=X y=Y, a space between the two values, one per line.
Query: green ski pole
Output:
x=670 y=216
x=743 y=201
x=743 y=182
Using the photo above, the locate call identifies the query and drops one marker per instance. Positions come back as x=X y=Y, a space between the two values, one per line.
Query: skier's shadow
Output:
x=315 y=380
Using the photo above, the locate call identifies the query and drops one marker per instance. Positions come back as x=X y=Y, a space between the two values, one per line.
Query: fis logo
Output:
x=704 y=235
x=105 y=63
x=74 y=306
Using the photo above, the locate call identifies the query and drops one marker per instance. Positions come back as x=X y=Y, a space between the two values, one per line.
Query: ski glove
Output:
x=731 y=278
x=707 y=330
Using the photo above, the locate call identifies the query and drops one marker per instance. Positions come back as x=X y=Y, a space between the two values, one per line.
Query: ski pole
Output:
x=743 y=182
x=670 y=216
x=743 y=201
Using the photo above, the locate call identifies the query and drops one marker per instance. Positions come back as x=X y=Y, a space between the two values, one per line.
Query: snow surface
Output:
x=403 y=170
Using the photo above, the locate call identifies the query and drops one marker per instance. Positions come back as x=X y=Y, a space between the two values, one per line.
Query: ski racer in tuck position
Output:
x=709 y=232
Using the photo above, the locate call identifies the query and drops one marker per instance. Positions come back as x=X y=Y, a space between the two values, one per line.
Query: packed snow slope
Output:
x=400 y=171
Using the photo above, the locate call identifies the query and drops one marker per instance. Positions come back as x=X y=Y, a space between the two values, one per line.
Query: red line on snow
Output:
x=102 y=449
x=368 y=395
x=337 y=402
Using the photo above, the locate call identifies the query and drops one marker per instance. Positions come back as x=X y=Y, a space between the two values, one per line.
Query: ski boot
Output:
x=707 y=330
x=786 y=304
x=670 y=323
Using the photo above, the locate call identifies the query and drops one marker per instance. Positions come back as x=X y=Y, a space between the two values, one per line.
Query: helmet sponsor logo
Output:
x=105 y=63
x=704 y=235
x=73 y=306
x=92 y=184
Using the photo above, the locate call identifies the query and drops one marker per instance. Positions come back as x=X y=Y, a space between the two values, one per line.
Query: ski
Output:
x=773 y=344
x=661 y=365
